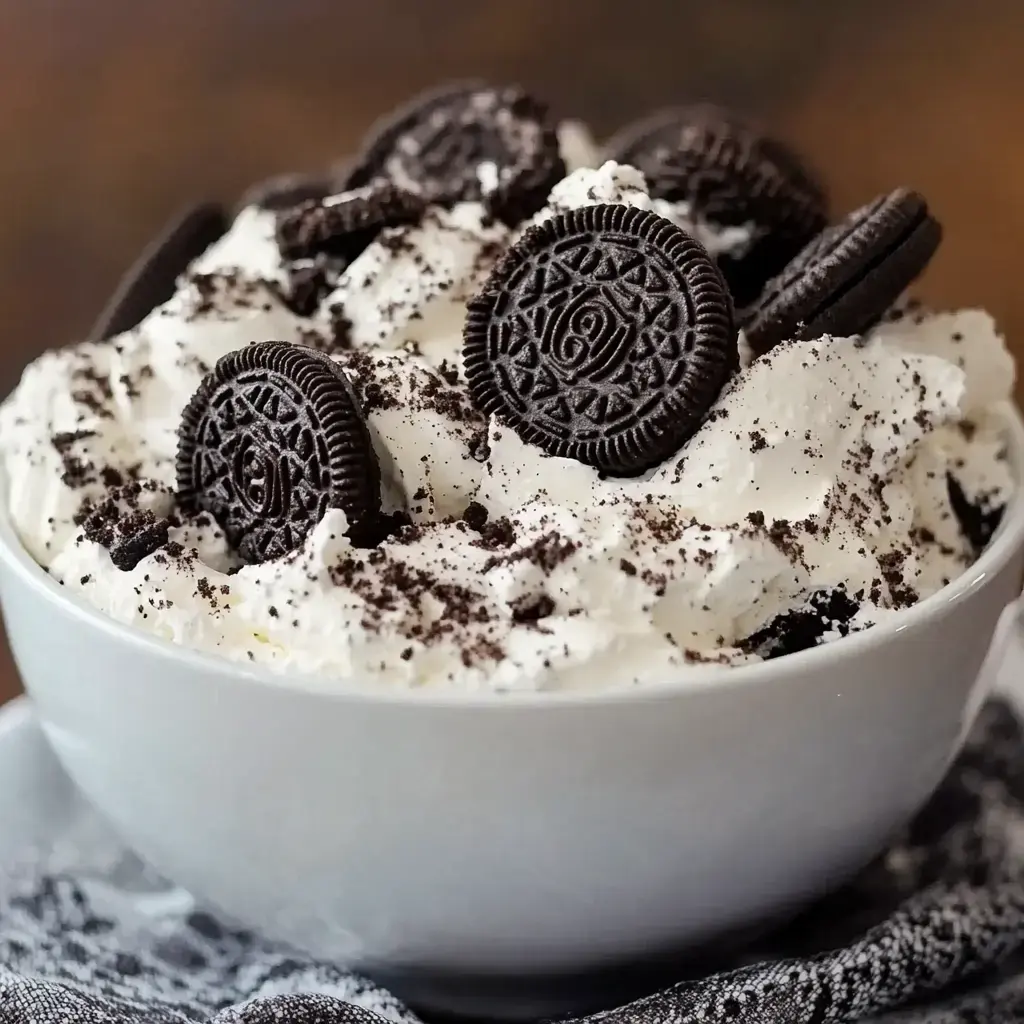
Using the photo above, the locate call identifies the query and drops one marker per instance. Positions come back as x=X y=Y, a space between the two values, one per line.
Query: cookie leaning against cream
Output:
x=273 y=438
x=604 y=335
x=560 y=469
x=843 y=282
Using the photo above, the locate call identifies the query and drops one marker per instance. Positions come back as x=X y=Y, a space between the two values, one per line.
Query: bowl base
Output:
x=441 y=997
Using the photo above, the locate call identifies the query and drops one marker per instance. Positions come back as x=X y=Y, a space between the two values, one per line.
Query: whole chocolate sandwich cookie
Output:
x=604 y=335
x=845 y=280
x=474 y=421
x=273 y=438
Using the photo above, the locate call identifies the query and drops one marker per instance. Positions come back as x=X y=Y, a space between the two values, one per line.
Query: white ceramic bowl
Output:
x=483 y=854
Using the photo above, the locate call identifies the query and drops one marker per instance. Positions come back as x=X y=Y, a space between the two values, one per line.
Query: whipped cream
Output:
x=619 y=183
x=818 y=480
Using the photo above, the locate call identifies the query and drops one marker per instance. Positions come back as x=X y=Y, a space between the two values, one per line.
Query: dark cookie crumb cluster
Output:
x=77 y=472
x=309 y=284
x=377 y=385
x=532 y=608
x=127 y=530
x=212 y=596
x=496 y=534
x=475 y=516
x=225 y=294
x=803 y=628
x=977 y=522
x=547 y=552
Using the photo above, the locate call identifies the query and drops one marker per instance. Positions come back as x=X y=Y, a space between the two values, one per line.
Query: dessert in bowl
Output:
x=483 y=568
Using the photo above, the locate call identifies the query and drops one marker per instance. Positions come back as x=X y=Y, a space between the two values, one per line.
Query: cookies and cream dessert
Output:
x=490 y=408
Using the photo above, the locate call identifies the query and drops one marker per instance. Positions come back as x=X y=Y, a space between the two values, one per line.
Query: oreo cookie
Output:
x=152 y=278
x=271 y=440
x=604 y=335
x=342 y=228
x=845 y=280
x=730 y=173
x=468 y=141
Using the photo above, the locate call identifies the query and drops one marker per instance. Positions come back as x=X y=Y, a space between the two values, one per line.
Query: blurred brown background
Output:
x=113 y=112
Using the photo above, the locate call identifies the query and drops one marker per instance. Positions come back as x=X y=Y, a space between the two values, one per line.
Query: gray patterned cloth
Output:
x=932 y=932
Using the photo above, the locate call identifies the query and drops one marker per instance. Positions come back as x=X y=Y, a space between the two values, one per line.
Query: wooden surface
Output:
x=114 y=112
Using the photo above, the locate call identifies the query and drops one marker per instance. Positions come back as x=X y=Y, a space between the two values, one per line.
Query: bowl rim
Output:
x=1007 y=541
